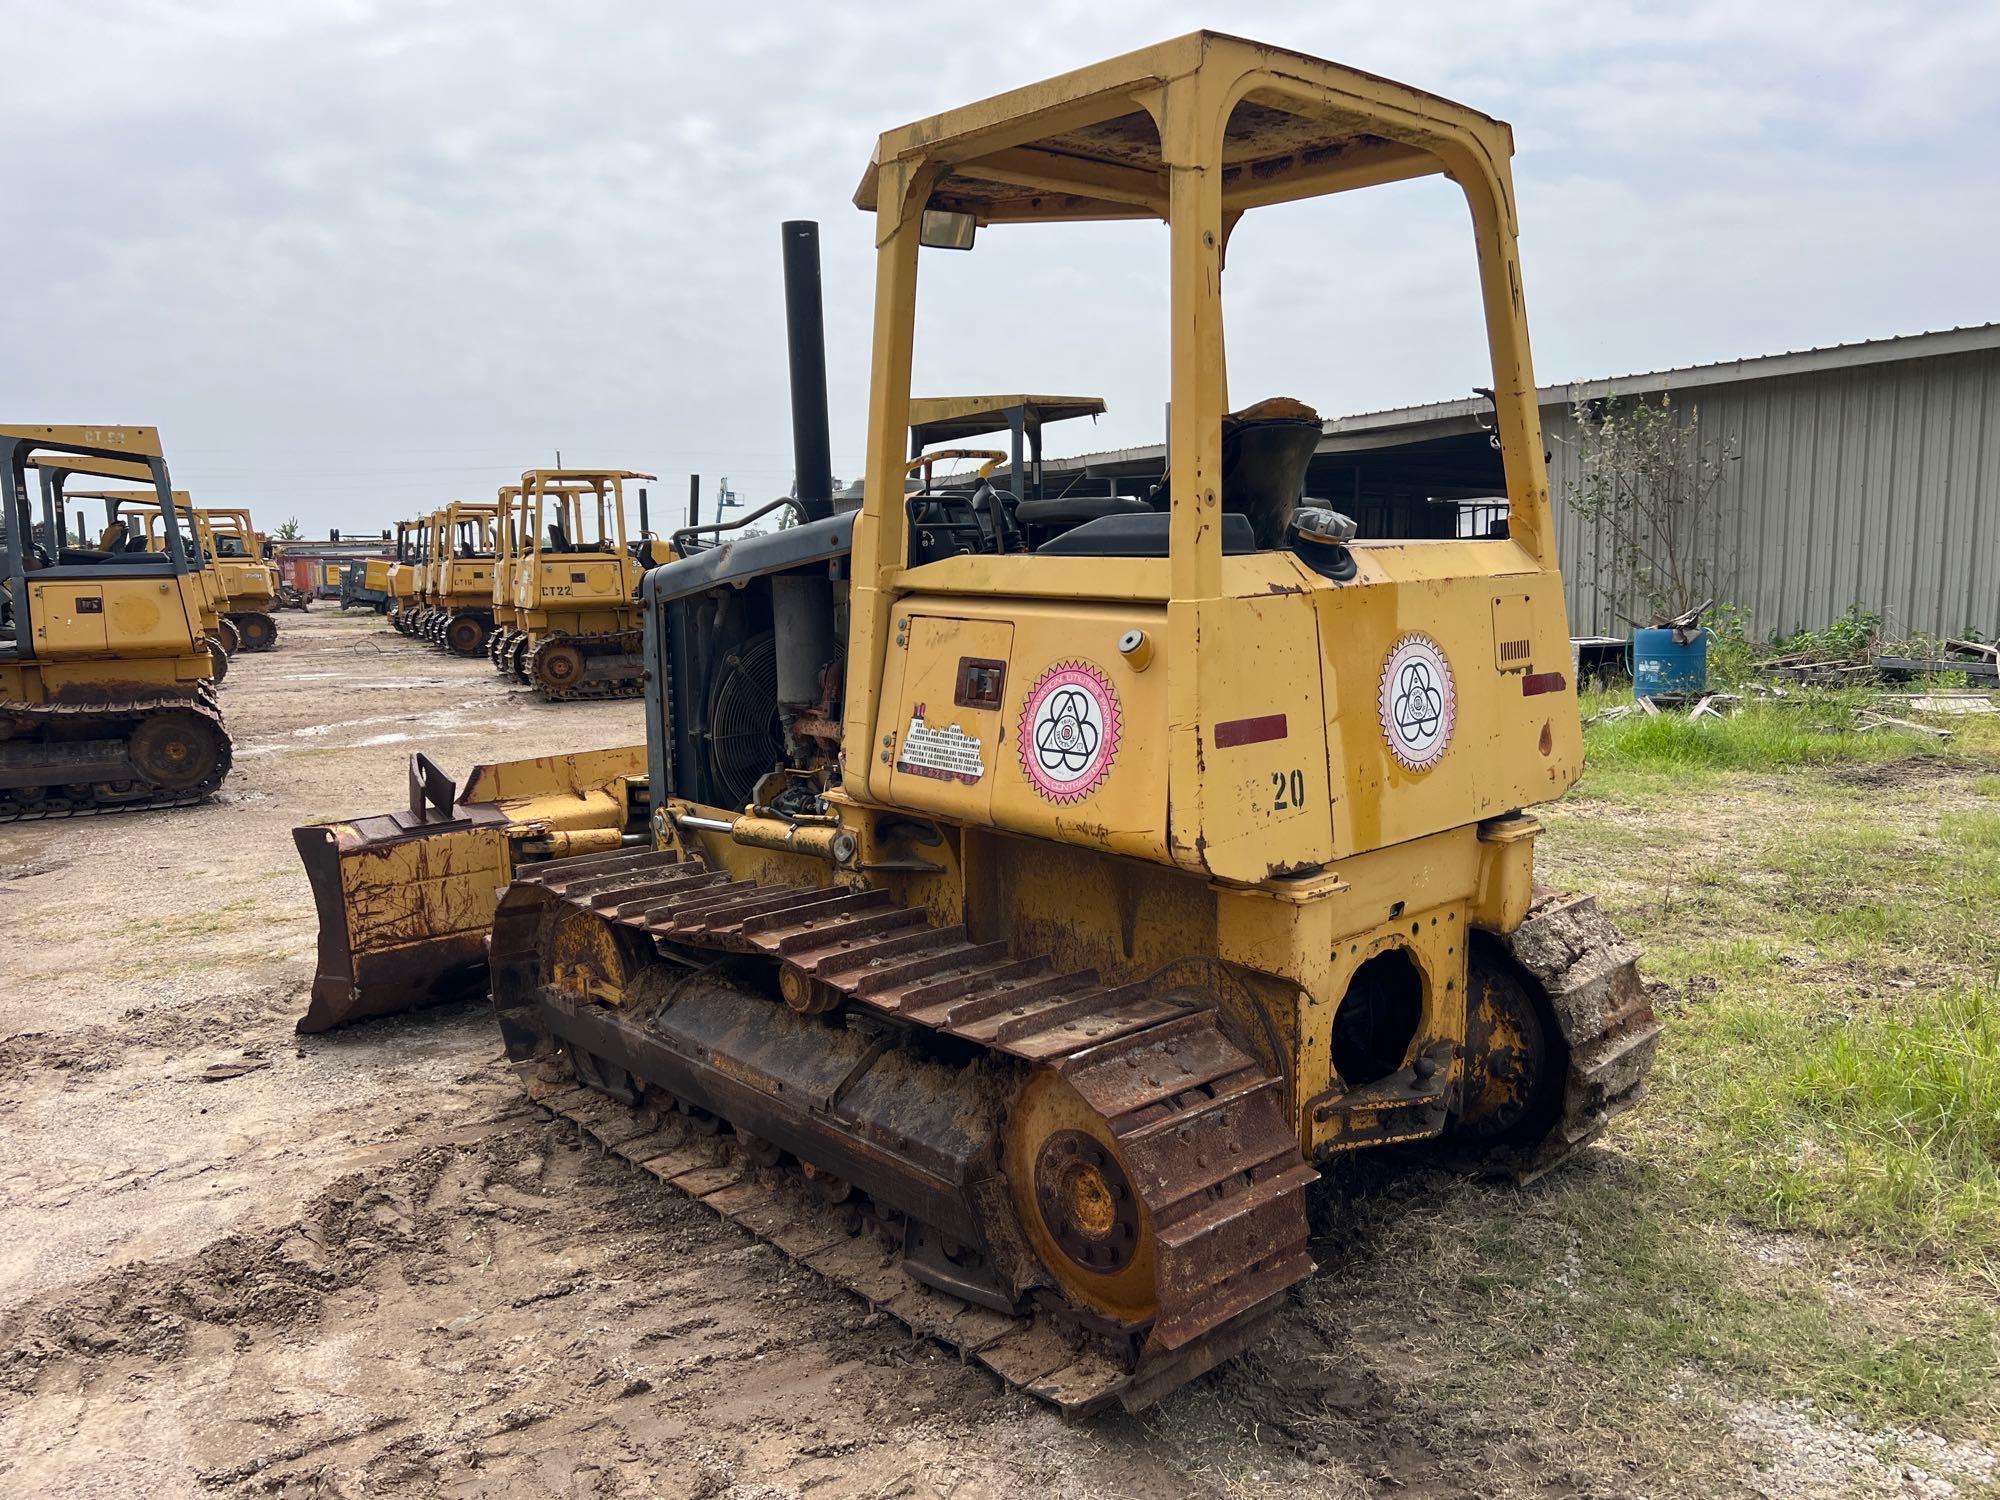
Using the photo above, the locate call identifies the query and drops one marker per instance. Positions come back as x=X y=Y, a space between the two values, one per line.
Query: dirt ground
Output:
x=233 y=1260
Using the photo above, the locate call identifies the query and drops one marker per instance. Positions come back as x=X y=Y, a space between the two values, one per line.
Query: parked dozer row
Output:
x=1023 y=895
x=453 y=605
x=543 y=581
x=110 y=650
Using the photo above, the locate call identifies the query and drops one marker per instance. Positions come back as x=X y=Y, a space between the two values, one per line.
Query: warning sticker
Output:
x=947 y=754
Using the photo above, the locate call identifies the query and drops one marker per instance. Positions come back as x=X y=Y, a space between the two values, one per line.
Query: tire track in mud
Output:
x=511 y=1306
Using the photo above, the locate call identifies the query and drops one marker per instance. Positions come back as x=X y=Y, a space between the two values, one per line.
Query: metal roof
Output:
x=1469 y=413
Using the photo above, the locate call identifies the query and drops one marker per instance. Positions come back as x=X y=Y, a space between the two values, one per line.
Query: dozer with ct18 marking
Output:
x=107 y=681
x=460 y=614
x=240 y=592
x=1030 y=902
x=135 y=525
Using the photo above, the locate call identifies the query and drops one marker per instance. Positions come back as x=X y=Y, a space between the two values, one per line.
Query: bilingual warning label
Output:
x=948 y=754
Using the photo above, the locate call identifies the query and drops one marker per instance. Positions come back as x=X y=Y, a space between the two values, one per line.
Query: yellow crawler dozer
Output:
x=134 y=518
x=249 y=582
x=1034 y=894
x=405 y=570
x=573 y=572
x=107 y=676
x=507 y=647
x=459 y=615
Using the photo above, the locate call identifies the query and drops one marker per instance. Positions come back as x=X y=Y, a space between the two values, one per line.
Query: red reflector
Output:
x=1250 y=731
x=1543 y=682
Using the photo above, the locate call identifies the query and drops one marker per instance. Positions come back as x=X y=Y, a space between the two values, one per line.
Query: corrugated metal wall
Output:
x=1877 y=485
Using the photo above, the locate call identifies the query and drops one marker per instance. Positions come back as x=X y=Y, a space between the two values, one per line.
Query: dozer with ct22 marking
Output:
x=1032 y=899
x=107 y=677
x=576 y=584
x=507 y=647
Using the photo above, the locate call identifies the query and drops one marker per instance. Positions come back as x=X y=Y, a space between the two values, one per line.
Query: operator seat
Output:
x=1265 y=451
x=1050 y=516
x=108 y=542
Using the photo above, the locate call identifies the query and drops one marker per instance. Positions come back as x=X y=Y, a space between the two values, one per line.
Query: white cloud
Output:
x=355 y=258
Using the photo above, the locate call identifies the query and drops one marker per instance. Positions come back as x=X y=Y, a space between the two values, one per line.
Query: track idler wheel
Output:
x=218 y=657
x=258 y=632
x=466 y=635
x=1076 y=1203
x=231 y=635
x=177 y=751
x=558 y=667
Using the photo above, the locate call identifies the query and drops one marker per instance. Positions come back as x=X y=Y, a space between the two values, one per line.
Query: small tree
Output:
x=289 y=530
x=1649 y=472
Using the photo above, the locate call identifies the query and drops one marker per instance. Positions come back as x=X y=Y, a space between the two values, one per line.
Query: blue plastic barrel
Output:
x=1661 y=665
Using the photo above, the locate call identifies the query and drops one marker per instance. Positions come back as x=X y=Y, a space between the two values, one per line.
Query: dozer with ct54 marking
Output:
x=1031 y=899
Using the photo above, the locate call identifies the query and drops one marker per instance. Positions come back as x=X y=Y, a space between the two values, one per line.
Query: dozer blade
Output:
x=405 y=898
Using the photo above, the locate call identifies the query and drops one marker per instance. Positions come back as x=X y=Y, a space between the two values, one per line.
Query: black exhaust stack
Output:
x=805 y=336
x=645 y=520
x=694 y=499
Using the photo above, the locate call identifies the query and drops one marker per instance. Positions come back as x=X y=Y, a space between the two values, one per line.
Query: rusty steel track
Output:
x=1041 y=1354
x=123 y=717
x=1202 y=1135
x=597 y=649
x=1590 y=977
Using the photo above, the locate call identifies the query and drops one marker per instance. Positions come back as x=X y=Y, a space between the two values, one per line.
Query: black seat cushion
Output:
x=1141 y=534
x=1077 y=510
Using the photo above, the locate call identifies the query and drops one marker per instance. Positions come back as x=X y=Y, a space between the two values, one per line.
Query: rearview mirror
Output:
x=944 y=230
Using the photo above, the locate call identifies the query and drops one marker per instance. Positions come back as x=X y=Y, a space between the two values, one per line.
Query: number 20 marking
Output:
x=1292 y=785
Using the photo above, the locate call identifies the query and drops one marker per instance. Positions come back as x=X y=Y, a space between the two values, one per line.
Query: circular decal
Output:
x=1418 y=703
x=1070 y=728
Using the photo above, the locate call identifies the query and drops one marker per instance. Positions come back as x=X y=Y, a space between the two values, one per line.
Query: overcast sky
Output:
x=356 y=259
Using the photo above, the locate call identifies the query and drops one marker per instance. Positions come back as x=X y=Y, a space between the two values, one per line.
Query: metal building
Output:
x=1866 y=474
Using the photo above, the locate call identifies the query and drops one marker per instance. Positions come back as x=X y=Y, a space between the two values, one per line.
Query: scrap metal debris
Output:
x=1708 y=706
x=234 y=1067
x=1867 y=719
x=1977 y=660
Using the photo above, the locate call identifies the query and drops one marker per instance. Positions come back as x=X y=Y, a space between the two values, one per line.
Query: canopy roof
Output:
x=1082 y=145
x=143 y=442
x=947 y=419
x=583 y=475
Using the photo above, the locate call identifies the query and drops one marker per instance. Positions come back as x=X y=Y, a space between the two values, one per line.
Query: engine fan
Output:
x=745 y=737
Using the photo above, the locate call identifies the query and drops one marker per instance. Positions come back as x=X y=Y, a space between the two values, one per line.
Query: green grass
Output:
x=1828 y=1091
x=1882 y=1126
x=1632 y=1278
x=1814 y=729
x=1973 y=830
